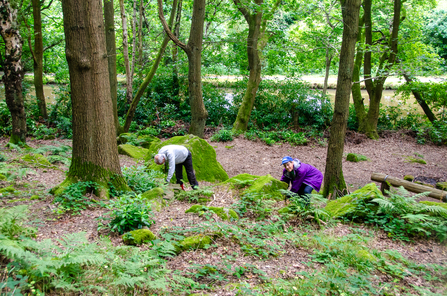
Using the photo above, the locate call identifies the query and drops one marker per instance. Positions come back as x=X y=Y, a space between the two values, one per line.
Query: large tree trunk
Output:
x=194 y=52
x=148 y=79
x=13 y=73
x=417 y=95
x=126 y=54
x=109 y=18
x=95 y=153
x=375 y=86
x=254 y=21
x=334 y=182
x=38 y=59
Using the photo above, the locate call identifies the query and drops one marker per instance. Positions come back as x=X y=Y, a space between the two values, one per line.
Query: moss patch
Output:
x=153 y=193
x=3 y=177
x=409 y=178
x=267 y=185
x=148 y=141
x=138 y=237
x=415 y=160
x=344 y=205
x=193 y=242
x=240 y=181
x=8 y=189
x=442 y=185
x=223 y=213
x=206 y=167
x=133 y=151
x=353 y=157
x=36 y=160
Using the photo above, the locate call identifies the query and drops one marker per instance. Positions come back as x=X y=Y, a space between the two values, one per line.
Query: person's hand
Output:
x=166 y=182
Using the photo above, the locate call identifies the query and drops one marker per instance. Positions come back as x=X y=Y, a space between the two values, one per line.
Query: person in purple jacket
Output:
x=303 y=177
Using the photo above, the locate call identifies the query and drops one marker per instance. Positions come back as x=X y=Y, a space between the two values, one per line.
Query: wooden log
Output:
x=410 y=186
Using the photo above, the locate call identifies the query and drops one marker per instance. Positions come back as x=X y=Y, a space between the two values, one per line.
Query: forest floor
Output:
x=387 y=155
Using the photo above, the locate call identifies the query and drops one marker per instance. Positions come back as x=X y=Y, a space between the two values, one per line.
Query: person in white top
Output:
x=177 y=157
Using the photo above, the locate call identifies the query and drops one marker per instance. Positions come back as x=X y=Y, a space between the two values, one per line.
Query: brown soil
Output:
x=387 y=155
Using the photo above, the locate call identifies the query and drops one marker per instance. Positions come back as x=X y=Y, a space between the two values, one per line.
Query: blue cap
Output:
x=286 y=159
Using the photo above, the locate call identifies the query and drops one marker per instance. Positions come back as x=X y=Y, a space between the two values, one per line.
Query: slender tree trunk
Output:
x=134 y=36
x=13 y=72
x=95 y=153
x=254 y=21
x=329 y=57
x=148 y=79
x=334 y=181
x=417 y=95
x=194 y=52
x=126 y=53
x=38 y=60
x=175 y=79
x=356 y=89
x=109 y=18
x=140 y=40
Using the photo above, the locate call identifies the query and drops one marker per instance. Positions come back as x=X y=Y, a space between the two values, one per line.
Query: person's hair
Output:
x=159 y=158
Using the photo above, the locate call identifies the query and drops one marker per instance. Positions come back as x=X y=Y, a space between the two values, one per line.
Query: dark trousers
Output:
x=189 y=171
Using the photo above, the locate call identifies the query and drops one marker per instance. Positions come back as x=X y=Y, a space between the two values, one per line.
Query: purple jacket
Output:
x=302 y=173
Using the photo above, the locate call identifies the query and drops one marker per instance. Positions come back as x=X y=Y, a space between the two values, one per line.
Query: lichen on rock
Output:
x=138 y=237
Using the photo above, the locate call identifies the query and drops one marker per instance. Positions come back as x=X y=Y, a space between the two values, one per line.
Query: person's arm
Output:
x=170 y=158
x=285 y=179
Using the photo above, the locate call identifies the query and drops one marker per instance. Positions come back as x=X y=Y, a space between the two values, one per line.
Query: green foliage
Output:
x=434 y=132
x=128 y=213
x=199 y=195
x=277 y=136
x=12 y=222
x=60 y=113
x=436 y=31
x=305 y=209
x=140 y=179
x=74 y=200
x=222 y=135
x=255 y=204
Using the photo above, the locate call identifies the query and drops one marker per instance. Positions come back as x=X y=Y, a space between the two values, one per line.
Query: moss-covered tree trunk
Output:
x=334 y=181
x=95 y=153
x=13 y=73
x=129 y=73
x=38 y=60
x=133 y=106
x=109 y=19
x=418 y=96
x=254 y=21
x=194 y=52
x=356 y=89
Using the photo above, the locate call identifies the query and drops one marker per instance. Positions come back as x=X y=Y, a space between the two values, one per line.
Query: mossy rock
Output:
x=148 y=141
x=133 y=151
x=193 y=242
x=138 y=237
x=3 y=177
x=434 y=203
x=415 y=160
x=364 y=255
x=154 y=193
x=36 y=159
x=267 y=185
x=442 y=185
x=344 y=205
x=8 y=189
x=241 y=180
x=353 y=157
x=223 y=213
x=34 y=197
x=206 y=166
x=409 y=178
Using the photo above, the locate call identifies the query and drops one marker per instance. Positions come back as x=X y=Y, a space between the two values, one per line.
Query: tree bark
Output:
x=356 y=89
x=194 y=52
x=417 y=95
x=329 y=57
x=109 y=18
x=95 y=153
x=13 y=72
x=126 y=54
x=38 y=59
x=148 y=79
x=134 y=36
x=140 y=39
x=334 y=181
x=374 y=86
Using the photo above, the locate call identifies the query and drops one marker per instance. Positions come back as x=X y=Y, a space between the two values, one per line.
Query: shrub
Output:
x=140 y=179
x=222 y=135
x=73 y=198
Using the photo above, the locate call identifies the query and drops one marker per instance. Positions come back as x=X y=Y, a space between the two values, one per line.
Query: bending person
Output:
x=303 y=177
x=177 y=157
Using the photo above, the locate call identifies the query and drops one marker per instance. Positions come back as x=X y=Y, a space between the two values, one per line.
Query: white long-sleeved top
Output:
x=174 y=154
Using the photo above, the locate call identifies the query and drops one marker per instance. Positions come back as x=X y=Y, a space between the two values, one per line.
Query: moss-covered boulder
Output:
x=353 y=157
x=409 y=178
x=36 y=160
x=344 y=205
x=442 y=185
x=193 y=242
x=240 y=181
x=267 y=185
x=153 y=193
x=138 y=237
x=206 y=167
x=2 y=177
x=223 y=213
x=148 y=141
x=364 y=255
x=133 y=151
